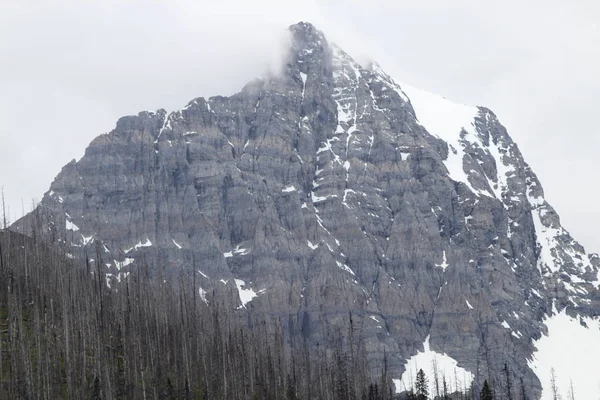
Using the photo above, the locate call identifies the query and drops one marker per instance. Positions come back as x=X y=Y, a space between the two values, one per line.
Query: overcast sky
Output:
x=70 y=69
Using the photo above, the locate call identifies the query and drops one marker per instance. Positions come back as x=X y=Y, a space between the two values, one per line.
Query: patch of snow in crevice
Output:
x=345 y=267
x=124 y=263
x=203 y=274
x=166 y=125
x=202 y=294
x=303 y=77
x=457 y=378
x=289 y=189
x=70 y=226
x=318 y=199
x=246 y=295
x=139 y=245
x=469 y=305
x=311 y=245
x=87 y=239
x=176 y=244
x=546 y=239
x=503 y=171
x=238 y=251
x=444 y=263
x=327 y=147
x=347 y=77
x=344 y=200
x=568 y=348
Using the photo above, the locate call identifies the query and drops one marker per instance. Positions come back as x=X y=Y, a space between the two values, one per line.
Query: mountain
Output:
x=345 y=204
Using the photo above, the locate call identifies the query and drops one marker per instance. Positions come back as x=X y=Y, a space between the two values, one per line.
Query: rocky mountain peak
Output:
x=332 y=195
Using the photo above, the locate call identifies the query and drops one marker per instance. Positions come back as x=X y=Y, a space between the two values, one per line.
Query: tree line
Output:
x=65 y=335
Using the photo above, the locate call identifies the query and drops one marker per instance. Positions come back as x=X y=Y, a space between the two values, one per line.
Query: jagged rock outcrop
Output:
x=331 y=190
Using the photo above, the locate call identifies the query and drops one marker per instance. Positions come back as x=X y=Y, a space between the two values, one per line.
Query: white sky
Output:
x=69 y=69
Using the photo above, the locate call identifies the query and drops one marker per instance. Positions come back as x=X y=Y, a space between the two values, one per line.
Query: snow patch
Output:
x=87 y=239
x=318 y=199
x=176 y=244
x=571 y=363
x=303 y=77
x=139 y=244
x=446 y=120
x=457 y=378
x=345 y=267
x=203 y=274
x=503 y=172
x=546 y=239
x=71 y=226
x=444 y=263
x=246 y=295
x=202 y=294
x=469 y=305
x=124 y=263
x=288 y=189
x=238 y=251
x=311 y=245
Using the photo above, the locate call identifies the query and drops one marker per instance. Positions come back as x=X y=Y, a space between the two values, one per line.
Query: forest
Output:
x=65 y=335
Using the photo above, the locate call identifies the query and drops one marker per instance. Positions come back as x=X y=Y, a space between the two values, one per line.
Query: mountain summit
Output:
x=344 y=204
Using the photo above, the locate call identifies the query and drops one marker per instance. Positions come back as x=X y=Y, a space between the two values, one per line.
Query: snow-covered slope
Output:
x=572 y=350
x=571 y=345
x=446 y=120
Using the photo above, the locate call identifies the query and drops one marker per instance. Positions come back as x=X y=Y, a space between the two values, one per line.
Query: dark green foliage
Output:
x=421 y=386
x=486 y=392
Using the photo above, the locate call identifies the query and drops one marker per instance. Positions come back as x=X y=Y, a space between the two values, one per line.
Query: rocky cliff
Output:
x=329 y=192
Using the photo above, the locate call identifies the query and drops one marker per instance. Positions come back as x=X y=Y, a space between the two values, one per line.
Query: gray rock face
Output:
x=321 y=193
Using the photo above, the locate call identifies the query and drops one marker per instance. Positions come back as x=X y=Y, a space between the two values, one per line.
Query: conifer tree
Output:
x=486 y=392
x=421 y=386
x=509 y=394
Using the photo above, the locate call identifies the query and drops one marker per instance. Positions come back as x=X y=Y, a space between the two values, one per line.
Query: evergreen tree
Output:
x=96 y=390
x=509 y=394
x=421 y=386
x=486 y=392
x=411 y=395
